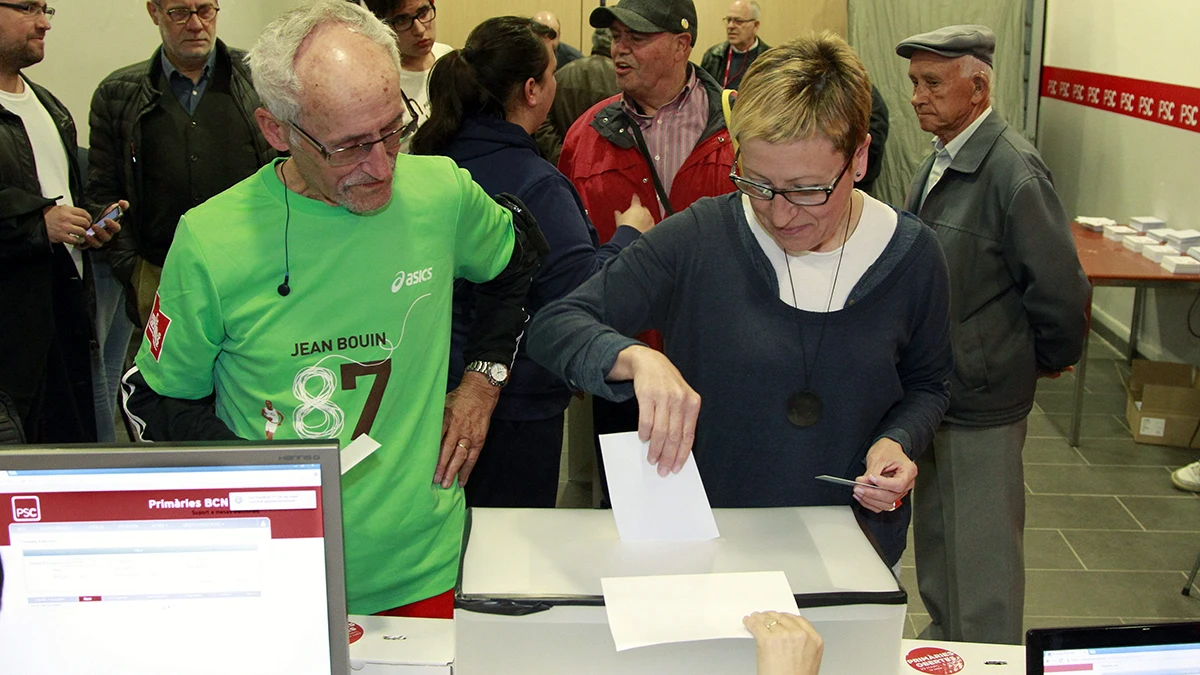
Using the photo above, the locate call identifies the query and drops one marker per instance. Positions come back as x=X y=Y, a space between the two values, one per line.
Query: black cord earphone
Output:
x=284 y=288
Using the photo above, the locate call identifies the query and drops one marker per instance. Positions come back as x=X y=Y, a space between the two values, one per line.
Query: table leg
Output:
x=1080 y=372
x=1135 y=322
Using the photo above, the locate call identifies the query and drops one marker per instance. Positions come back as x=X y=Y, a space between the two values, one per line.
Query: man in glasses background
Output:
x=728 y=61
x=166 y=134
x=44 y=345
x=354 y=343
x=415 y=25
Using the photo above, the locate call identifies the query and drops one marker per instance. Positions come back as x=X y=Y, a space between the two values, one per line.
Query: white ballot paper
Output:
x=649 y=507
x=358 y=450
x=644 y=611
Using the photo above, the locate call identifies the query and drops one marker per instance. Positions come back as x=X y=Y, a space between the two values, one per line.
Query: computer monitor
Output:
x=1150 y=649
x=172 y=559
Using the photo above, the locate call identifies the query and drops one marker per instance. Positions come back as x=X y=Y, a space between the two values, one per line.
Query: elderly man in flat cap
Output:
x=1017 y=312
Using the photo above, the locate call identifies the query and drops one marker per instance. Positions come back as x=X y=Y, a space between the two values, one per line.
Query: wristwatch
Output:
x=497 y=373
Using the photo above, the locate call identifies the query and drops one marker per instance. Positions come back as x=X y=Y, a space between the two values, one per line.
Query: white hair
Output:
x=272 y=59
x=969 y=65
x=755 y=10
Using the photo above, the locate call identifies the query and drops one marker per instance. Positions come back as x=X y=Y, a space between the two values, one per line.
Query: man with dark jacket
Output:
x=728 y=61
x=581 y=84
x=45 y=359
x=1018 y=299
x=167 y=134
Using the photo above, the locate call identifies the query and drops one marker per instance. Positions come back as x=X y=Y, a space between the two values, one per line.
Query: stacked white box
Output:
x=1136 y=244
x=1118 y=232
x=1144 y=223
x=1182 y=240
x=1159 y=235
x=1194 y=252
x=1180 y=264
x=1158 y=251
x=1094 y=223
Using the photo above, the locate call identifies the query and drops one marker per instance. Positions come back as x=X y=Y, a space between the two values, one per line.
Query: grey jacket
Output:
x=1018 y=296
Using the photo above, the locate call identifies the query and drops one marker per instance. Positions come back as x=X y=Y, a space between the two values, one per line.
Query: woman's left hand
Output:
x=889 y=468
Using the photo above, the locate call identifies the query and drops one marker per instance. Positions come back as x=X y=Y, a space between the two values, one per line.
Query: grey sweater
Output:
x=881 y=367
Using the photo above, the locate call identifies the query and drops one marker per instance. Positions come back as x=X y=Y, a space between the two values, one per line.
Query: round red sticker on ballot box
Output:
x=935 y=660
x=356 y=631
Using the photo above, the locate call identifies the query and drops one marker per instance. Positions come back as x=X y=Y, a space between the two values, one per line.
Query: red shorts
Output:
x=438 y=607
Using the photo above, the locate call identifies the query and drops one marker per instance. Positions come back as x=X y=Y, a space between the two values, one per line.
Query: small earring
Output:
x=858 y=175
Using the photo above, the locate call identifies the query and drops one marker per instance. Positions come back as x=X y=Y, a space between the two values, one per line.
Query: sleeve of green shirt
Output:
x=484 y=242
x=189 y=325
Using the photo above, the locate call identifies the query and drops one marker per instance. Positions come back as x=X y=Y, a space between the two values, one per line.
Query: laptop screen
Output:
x=172 y=560
x=1153 y=649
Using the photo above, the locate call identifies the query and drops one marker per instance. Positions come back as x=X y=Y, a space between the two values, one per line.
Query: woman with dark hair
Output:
x=486 y=100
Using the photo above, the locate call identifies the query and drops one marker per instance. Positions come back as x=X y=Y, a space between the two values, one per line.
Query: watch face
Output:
x=498 y=372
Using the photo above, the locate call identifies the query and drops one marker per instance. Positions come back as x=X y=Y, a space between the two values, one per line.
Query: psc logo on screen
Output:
x=26 y=509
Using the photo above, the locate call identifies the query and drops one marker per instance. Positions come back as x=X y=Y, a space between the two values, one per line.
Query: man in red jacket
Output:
x=662 y=140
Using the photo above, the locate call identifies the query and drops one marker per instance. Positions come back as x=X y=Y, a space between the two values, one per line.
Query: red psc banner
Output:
x=1169 y=104
x=188 y=504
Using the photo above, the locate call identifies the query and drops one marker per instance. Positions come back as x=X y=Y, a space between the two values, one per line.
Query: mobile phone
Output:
x=845 y=481
x=114 y=213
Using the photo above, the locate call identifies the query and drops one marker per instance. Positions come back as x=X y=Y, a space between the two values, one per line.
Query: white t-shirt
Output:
x=812 y=273
x=49 y=155
x=415 y=84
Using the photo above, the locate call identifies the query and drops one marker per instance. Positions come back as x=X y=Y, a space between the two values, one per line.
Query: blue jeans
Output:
x=113 y=331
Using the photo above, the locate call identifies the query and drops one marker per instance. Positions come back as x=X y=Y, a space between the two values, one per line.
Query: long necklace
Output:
x=804 y=407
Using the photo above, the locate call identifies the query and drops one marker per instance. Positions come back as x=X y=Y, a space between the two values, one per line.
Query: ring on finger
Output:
x=771 y=624
x=462 y=445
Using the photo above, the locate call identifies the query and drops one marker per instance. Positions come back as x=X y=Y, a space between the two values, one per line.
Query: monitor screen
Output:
x=172 y=560
x=1149 y=649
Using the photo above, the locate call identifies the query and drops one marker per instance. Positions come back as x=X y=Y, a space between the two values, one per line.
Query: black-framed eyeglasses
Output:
x=31 y=9
x=353 y=154
x=403 y=22
x=182 y=15
x=803 y=196
x=738 y=20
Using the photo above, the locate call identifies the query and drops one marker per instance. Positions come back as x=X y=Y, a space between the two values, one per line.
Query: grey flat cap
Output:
x=952 y=42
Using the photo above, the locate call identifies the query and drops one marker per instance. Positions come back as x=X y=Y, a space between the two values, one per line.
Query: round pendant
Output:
x=804 y=408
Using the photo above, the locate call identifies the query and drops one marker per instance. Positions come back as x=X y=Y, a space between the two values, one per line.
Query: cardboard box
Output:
x=1163 y=403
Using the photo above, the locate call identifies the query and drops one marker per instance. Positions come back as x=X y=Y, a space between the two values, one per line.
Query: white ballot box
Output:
x=530 y=598
x=390 y=645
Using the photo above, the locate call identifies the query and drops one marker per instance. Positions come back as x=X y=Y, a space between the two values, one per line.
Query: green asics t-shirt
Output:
x=360 y=345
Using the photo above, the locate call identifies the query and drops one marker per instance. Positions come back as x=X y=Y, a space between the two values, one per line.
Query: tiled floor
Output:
x=1108 y=539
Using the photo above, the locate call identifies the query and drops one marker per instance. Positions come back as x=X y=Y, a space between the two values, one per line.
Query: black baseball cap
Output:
x=649 y=16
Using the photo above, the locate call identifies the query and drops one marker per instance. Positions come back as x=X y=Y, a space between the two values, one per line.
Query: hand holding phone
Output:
x=113 y=214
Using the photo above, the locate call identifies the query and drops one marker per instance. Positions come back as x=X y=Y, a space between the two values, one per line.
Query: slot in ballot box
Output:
x=530 y=599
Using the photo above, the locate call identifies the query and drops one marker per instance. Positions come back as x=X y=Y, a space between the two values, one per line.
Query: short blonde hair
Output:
x=811 y=85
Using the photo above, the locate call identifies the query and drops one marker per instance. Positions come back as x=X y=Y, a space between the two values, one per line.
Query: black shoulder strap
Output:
x=658 y=186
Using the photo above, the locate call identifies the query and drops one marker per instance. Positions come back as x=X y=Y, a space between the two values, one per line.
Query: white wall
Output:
x=91 y=38
x=1107 y=164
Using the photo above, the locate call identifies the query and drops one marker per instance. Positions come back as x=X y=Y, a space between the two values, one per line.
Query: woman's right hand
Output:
x=786 y=644
x=667 y=405
x=636 y=216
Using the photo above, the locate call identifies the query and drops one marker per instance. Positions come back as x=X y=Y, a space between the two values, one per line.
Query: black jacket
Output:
x=43 y=303
x=713 y=61
x=118 y=106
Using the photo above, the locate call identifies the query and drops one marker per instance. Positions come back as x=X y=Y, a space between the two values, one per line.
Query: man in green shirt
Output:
x=355 y=340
